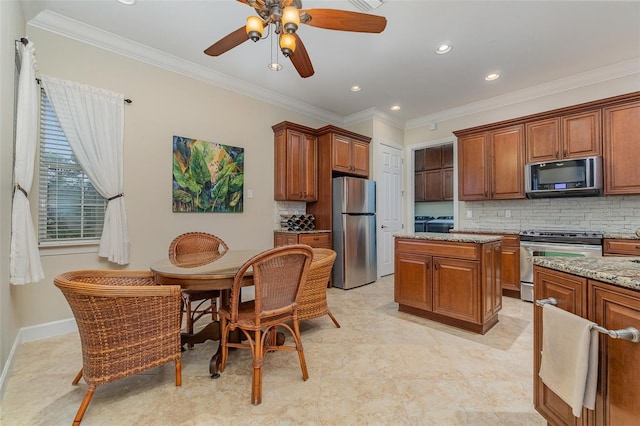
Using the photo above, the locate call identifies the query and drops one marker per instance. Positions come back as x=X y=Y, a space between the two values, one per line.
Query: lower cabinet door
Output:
x=618 y=398
x=413 y=280
x=570 y=292
x=456 y=289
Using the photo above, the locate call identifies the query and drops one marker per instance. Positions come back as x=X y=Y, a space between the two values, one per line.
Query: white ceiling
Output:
x=530 y=43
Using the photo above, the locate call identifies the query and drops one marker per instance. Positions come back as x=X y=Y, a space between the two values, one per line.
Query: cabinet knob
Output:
x=435 y=265
x=556 y=154
x=564 y=153
x=427 y=264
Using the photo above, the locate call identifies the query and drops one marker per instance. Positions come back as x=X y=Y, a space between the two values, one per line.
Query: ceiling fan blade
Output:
x=228 y=42
x=300 y=59
x=344 y=20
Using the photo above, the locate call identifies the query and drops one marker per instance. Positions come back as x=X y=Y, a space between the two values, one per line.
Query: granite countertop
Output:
x=455 y=238
x=479 y=231
x=623 y=236
x=313 y=231
x=620 y=271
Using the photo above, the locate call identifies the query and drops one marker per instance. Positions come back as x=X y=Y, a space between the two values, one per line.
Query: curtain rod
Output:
x=25 y=41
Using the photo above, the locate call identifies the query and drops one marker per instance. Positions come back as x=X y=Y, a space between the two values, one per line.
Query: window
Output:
x=71 y=210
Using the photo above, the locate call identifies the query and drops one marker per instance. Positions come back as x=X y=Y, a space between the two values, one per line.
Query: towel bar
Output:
x=630 y=333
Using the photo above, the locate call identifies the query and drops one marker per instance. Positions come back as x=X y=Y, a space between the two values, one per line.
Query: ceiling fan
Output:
x=285 y=16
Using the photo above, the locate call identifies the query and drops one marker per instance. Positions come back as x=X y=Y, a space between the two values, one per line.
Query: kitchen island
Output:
x=605 y=291
x=450 y=278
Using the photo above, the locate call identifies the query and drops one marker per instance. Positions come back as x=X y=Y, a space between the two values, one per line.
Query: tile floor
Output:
x=382 y=367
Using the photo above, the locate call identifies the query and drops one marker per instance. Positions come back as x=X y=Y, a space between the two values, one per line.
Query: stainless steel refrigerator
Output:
x=354 y=232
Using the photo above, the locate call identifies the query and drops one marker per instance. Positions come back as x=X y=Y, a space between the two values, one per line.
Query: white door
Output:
x=389 y=205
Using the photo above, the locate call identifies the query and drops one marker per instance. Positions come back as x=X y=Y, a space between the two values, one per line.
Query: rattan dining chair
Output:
x=278 y=276
x=193 y=249
x=313 y=298
x=127 y=324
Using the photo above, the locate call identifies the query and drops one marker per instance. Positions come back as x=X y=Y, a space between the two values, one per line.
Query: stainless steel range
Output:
x=553 y=243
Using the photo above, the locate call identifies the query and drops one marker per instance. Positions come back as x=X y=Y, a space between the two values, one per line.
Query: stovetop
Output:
x=569 y=237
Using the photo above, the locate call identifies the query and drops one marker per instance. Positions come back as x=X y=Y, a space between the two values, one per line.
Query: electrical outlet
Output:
x=507 y=213
x=469 y=214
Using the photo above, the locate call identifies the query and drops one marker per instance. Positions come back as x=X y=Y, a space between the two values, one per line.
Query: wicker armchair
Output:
x=313 y=299
x=127 y=324
x=278 y=276
x=190 y=250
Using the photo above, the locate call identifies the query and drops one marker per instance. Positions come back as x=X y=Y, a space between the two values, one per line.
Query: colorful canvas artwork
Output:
x=207 y=176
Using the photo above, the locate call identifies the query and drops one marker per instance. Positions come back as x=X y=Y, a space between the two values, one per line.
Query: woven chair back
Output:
x=278 y=275
x=193 y=249
x=127 y=323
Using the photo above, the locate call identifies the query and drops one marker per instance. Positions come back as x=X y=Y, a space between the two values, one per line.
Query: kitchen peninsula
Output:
x=606 y=291
x=450 y=278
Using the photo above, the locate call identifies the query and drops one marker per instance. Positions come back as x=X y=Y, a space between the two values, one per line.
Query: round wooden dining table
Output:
x=215 y=275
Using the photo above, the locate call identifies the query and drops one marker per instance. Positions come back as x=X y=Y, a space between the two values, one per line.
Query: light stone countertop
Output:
x=455 y=238
x=622 y=236
x=313 y=231
x=620 y=271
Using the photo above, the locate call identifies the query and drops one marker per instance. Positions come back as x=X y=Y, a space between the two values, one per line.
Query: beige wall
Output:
x=12 y=27
x=164 y=104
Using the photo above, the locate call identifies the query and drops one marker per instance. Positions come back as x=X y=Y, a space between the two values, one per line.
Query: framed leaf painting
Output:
x=207 y=176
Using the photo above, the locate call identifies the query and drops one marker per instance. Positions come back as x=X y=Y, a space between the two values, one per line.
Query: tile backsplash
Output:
x=287 y=208
x=609 y=215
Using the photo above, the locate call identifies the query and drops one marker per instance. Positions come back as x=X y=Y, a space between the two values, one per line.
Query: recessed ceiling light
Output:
x=356 y=88
x=492 y=76
x=127 y=2
x=443 y=48
x=395 y=108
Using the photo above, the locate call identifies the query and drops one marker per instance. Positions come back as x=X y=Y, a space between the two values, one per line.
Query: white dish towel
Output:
x=569 y=357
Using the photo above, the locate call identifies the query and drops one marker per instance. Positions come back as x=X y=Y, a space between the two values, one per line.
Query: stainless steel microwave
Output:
x=572 y=177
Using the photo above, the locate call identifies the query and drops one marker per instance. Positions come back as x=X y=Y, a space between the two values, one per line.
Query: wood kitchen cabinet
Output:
x=491 y=164
x=295 y=171
x=622 y=149
x=349 y=151
x=320 y=239
x=450 y=282
x=510 y=266
x=567 y=136
x=621 y=247
x=612 y=307
x=433 y=178
x=330 y=140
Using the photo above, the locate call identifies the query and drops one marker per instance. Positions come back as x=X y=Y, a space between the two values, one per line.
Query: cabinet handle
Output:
x=630 y=333
x=565 y=153
x=427 y=263
x=435 y=265
x=556 y=154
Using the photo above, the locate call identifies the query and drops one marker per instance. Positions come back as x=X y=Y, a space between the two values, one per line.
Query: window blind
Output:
x=70 y=210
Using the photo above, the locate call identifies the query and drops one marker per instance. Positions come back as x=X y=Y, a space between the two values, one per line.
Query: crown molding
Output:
x=610 y=72
x=79 y=31
x=373 y=114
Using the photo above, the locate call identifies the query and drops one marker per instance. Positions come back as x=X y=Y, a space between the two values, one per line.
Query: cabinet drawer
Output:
x=511 y=240
x=614 y=247
x=439 y=248
x=316 y=239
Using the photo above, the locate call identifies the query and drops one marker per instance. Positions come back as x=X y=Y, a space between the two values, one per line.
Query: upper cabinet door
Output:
x=360 y=158
x=341 y=154
x=622 y=149
x=582 y=135
x=473 y=167
x=295 y=174
x=543 y=140
x=507 y=163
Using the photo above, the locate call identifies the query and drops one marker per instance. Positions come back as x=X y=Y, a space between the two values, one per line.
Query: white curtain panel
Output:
x=93 y=122
x=24 y=258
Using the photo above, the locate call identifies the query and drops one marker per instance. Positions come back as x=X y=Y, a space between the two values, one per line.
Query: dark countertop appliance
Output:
x=420 y=223
x=440 y=224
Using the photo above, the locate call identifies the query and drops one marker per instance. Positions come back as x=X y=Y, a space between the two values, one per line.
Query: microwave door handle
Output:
x=587 y=170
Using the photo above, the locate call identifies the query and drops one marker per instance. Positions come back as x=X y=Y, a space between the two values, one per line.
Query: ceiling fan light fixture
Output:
x=287 y=44
x=254 y=28
x=290 y=19
x=274 y=66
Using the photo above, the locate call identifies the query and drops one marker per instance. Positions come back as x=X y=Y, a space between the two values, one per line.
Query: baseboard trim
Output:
x=31 y=334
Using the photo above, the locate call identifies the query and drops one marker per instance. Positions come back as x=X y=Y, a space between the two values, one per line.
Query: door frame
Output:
x=410 y=154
